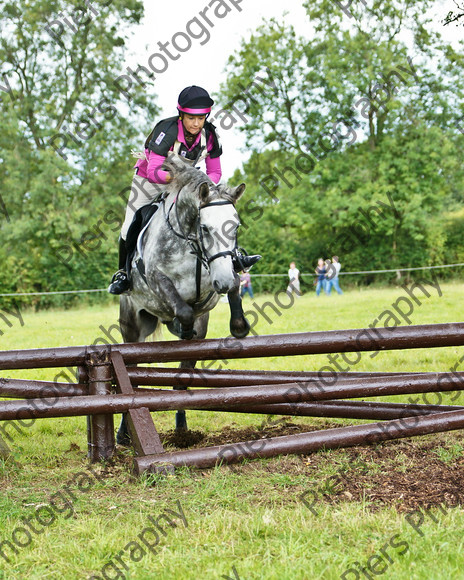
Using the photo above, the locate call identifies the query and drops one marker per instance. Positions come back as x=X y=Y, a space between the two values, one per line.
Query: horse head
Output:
x=216 y=219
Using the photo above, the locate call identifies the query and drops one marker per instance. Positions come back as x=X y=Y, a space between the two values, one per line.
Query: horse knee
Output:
x=185 y=315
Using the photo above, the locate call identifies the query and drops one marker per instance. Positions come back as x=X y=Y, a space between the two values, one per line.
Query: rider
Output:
x=188 y=134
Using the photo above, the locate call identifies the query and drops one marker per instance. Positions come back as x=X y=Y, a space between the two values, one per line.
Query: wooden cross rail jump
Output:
x=107 y=386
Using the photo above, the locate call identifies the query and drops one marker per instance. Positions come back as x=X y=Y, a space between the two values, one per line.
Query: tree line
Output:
x=356 y=150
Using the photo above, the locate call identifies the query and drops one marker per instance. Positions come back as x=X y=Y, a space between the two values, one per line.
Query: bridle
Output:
x=195 y=242
x=210 y=259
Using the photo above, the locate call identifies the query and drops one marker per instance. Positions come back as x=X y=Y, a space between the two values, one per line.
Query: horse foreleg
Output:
x=200 y=327
x=163 y=286
x=239 y=326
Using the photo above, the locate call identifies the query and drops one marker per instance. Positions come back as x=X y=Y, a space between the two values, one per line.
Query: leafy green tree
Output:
x=372 y=99
x=67 y=133
x=377 y=209
x=359 y=70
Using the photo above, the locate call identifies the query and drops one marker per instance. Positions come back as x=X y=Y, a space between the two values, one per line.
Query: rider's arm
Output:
x=157 y=175
x=213 y=169
x=154 y=172
x=213 y=161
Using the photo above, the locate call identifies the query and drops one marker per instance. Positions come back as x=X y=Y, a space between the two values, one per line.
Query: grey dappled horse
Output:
x=186 y=264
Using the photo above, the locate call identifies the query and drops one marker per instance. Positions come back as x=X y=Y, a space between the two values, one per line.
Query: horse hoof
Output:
x=187 y=333
x=175 y=327
x=240 y=328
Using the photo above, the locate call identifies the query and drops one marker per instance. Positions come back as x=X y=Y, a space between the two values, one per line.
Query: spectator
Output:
x=294 y=283
x=328 y=276
x=245 y=283
x=332 y=277
x=321 y=271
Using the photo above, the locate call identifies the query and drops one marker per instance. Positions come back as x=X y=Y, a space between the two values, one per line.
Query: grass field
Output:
x=385 y=510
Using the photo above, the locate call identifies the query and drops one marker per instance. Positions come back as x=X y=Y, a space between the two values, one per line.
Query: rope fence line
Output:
x=56 y=292
x=369 y=271
x=254 y=276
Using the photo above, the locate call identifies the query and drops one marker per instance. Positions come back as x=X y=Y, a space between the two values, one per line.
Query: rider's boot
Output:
x=120 y=282
x=243 y=262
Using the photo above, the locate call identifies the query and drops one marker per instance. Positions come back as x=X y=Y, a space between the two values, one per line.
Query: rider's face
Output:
x=193 y=123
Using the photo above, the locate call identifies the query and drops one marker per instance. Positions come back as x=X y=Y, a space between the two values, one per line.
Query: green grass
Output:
x=251 y=517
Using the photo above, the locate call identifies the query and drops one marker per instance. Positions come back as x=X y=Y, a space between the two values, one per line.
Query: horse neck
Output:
x=184 y=209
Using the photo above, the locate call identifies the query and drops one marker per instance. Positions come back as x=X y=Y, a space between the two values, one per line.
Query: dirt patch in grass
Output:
x=228 y=435
x=407 y=474
x=182 y=439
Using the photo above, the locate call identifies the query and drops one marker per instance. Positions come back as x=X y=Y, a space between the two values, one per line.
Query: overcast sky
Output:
x=204 y=64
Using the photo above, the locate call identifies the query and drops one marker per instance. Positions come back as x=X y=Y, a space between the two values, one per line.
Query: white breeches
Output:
x=143 y=192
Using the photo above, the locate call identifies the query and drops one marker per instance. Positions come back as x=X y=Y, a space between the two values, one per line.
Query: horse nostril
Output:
x=216 y=286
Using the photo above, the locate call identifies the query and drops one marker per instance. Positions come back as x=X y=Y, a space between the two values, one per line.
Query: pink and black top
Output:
x=163 y=138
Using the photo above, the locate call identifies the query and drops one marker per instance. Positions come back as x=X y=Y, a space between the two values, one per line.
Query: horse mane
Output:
x=183 y=172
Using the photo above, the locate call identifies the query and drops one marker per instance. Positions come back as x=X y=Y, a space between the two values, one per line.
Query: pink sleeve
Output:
x=213 y=169
x=154 y=173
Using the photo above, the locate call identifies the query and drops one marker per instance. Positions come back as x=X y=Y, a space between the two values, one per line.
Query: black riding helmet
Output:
x=195 y=100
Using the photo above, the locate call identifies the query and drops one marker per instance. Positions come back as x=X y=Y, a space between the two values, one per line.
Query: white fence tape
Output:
x=254 y=276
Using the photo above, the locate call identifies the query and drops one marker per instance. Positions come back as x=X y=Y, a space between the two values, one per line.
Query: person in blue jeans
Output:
x=332 y=276
x=321 y=271
x=245 y=283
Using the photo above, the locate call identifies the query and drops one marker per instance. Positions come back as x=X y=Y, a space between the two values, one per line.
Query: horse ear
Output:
x=238 y=192
x=204 y=192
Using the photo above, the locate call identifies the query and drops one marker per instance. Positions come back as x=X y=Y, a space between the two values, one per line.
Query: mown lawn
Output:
x=249 y=521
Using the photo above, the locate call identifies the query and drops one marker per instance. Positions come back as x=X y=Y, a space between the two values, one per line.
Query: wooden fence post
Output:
x=101 y=442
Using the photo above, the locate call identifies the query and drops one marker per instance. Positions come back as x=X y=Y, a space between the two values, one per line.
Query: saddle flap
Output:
x=142 y=218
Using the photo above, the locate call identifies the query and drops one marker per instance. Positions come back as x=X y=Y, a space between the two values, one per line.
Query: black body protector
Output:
x=164 y=136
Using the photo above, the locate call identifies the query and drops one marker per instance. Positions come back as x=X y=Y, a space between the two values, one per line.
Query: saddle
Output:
x=141 y=218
